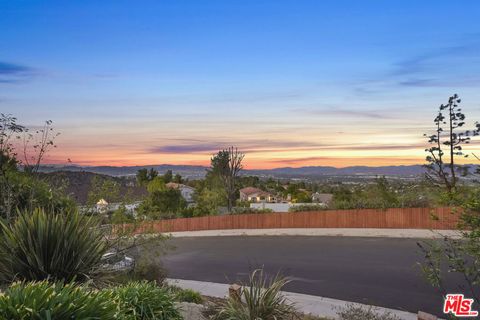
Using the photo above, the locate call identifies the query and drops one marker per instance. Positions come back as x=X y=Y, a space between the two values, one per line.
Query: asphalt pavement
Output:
x=378 y=271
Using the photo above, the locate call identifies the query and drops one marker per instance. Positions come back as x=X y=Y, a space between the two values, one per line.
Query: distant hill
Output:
x=77 y=184
x=184 y=170
x=196 y=172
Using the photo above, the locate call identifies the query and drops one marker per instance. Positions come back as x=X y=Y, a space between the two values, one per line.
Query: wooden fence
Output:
x=396 y=218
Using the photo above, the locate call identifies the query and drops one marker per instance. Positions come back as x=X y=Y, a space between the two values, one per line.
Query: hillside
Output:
x=77 y=184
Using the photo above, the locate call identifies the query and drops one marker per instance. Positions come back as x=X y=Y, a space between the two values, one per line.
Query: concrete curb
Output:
x=324 y=232
x=308 y=304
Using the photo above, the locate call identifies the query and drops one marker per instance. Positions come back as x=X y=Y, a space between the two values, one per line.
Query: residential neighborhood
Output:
x=240 y=160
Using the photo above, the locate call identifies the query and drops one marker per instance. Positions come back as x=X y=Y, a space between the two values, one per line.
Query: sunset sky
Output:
x=291 y=83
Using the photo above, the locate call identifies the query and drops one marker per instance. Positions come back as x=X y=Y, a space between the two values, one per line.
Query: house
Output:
x=322 y=198
x=252 y=194
x=102 y=206
x=186 y=191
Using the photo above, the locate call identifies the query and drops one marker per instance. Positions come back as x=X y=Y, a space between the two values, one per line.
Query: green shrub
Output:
x=149 y=267
x=243 y=210
x=26 y=191
x=59 y=247
x=55 y=301
x=120 y=216
x=307 y=207
x=145 y=300
x=186 y=295
x=260 y=299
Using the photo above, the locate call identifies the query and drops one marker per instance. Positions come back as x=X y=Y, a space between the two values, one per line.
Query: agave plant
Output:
x=260 y=299
x=59 y=247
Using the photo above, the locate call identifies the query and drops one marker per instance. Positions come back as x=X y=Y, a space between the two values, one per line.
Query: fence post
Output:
x=234 y=292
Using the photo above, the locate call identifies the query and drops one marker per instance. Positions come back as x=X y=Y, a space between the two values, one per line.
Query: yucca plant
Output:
x=145 y=300
x=55 y=301
x=58 y=247
x=260 y=299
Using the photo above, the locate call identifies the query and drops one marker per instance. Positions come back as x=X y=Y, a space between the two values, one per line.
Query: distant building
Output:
x=322 y=198
x=252 y=194
x=102 y=206
x=186 y=191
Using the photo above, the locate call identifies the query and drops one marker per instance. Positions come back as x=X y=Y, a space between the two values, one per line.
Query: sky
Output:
x=290 y=83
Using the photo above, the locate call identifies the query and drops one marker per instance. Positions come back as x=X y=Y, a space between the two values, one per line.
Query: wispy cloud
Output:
x=262 y=146
x=445 y=66
x=249 y=146
x=335 y=111
x=455 y=65
x=441 y=82
x=429 y=60
x=187 y=148
x=12 y=73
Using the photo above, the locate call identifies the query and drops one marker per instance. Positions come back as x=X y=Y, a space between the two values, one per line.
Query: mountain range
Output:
x=194 y=172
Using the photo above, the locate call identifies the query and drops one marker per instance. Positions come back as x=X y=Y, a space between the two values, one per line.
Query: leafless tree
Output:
x=227 y=164
x=36 y=145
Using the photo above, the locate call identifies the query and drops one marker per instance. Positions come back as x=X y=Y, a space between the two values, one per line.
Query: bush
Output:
x=149 y=267
x=55 y=301
x=186 y=295
x=242 y=210
x=59 y=247
x=23 y=191
x=262 y=300
x=307 y=207
x=121 y=216
x=145 y=300
x=162 y=204
x=352 y=312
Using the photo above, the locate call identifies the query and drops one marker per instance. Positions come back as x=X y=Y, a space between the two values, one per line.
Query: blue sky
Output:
x=291 y=82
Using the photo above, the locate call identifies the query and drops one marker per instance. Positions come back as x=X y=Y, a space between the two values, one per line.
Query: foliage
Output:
x=103 y=188
x=156 y=184
x=36 y=145
x=178 y=178
x=168 y=176
x=46 y=300
x=260 y=299
x=208 y=196
x=353 y=312
x=144 y=176
x=447 y=143
x=145 y=300
x=307 y=207
x=24 y=190
x=149 y=268
x=161 y=202
x=383 y=193
x=457 y=255
x=248 y=210
x=297 y=192
x=226 y=165
x=121 y=215
x=164 y=204
x=40 y=245
x=186 y=295
x=147 y=251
